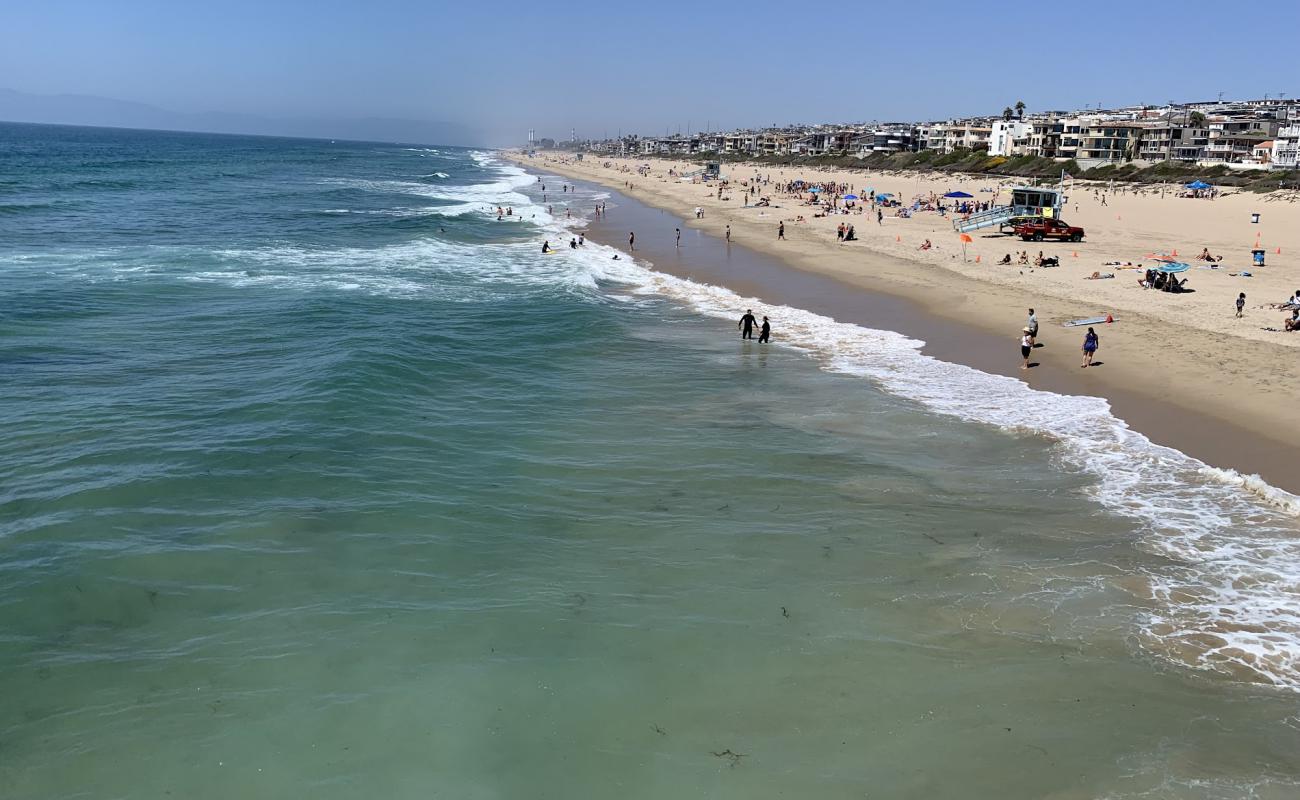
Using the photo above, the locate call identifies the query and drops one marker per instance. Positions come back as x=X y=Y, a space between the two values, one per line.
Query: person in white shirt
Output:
x=1026 y=347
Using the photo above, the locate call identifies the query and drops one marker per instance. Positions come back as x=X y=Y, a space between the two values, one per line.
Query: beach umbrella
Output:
x=814 y=189
x=1199 y=185
x=850 y=197
x=958 y=194
x=1173 y=266
x=885 y=194
x=1159 y=257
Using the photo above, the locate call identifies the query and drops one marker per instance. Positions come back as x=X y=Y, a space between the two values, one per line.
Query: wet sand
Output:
x=709 y=259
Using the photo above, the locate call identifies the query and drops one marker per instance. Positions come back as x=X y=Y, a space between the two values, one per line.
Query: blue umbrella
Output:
x=1173 y=266
x=850 y=197
x=885 y=194
x=958 y=194
x=814 y=189
x=1199 y=185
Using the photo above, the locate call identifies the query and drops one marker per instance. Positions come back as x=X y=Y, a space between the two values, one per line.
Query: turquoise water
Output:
x=317 y=480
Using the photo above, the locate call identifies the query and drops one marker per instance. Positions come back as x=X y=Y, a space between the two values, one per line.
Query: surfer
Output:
x=746 y=324
x=765 y=333
x=679 y=236
x=546 y=246
x=631 y=241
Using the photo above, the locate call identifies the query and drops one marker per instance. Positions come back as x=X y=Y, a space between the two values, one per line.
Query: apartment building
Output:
x=1108 y=142
x=1172 y=141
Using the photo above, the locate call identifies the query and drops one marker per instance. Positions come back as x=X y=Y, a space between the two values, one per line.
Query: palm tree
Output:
x=1006 y=114
x=1020 y=109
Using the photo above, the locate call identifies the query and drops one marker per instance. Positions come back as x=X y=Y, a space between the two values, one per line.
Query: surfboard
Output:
x=1074 y=323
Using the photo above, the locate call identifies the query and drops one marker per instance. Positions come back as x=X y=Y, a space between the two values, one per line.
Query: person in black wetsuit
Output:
x=765 y=333
x=746 y=324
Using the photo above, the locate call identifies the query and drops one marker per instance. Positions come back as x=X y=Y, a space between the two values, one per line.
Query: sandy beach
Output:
x=1180 y=367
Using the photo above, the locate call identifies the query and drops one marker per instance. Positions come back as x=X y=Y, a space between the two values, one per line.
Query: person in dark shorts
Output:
x=765 y=333
x=1026 y=347
x=1091 y=341
x=746 y=324
x=780 y=231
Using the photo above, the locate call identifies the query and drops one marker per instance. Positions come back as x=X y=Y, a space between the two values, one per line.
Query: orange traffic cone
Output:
x=1076 y=253
x=1109 y=319
x=977 y=258
x=1175 y=252
x=1279 y=251
x=898 y=238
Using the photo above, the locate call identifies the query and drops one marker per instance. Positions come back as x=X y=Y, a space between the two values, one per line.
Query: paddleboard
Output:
x=1074 y=323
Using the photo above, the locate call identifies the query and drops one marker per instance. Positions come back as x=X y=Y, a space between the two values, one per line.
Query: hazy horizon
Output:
x=490 y=74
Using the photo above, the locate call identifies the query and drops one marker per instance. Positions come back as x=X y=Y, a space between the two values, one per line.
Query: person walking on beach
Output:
x=631 y=241
x=746 y=324
x=1026 y=347
x=728 y=234
x=880 y=217
x=679 y=236
x=780 y=230
x=1241 y=304
x=1091 y=341
x=765 y=333
x=1032 y=324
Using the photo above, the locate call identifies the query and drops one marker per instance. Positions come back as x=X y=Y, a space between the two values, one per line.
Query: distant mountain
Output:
x=81 y=109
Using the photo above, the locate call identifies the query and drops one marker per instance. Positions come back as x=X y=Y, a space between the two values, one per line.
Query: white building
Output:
x=1286 y=147
x=1003 y=136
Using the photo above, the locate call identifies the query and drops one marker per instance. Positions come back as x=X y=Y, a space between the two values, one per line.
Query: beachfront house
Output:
x=891 y=138
x=1286 y=146
x=1108 y=142
x=1167 y=140
x=1004 y=135
x=1234 y=139
x=740 y=143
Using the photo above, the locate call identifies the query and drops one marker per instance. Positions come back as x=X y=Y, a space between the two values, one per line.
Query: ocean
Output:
x=317 y=479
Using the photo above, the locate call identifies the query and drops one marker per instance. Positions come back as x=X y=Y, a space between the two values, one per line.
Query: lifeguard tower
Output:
x=1027 y=203
x=712 y=171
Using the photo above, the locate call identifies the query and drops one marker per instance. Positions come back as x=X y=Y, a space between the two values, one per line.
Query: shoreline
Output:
x=965 y=333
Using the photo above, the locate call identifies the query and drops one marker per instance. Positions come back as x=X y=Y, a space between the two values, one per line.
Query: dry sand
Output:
x=1185 y=351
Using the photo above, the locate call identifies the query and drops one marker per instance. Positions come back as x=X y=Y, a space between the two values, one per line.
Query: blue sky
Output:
x=505 y=67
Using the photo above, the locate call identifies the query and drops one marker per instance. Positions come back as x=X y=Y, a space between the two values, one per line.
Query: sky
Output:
x=501 y=68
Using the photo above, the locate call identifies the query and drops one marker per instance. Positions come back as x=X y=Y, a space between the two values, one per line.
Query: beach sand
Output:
x=1180 y=368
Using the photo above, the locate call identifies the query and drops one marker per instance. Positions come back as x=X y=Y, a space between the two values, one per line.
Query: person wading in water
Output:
x=746 y=324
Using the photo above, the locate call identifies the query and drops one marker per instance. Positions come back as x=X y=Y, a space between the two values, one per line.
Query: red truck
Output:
x=1048 y=228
